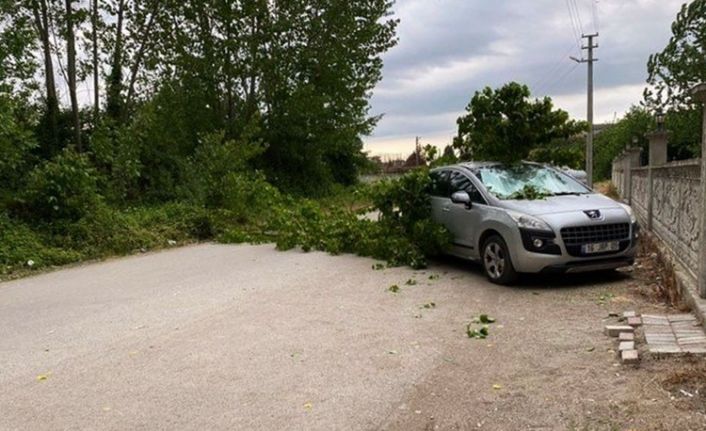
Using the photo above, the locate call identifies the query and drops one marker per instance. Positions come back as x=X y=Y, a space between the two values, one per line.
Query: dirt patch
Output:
x=654 y=275
x=687 y=384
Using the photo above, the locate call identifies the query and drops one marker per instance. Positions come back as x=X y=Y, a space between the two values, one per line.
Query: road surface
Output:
x=246 y=337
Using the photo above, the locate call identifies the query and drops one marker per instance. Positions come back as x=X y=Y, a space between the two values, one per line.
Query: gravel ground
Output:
x=245 y=337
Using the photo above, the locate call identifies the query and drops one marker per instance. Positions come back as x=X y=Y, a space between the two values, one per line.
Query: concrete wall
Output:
x=675 y=201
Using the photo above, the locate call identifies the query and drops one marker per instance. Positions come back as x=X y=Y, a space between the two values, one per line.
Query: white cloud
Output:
x=451 y=48
x=609 y=103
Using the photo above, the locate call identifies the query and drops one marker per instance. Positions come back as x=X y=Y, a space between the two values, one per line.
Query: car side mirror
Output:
x=461 y=198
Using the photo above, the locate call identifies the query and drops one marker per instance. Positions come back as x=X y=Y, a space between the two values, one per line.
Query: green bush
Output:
x=62 y=189
x=219 y=170
x=21 y=247
x=16 y=145
x=116 y=154
x=106 y=231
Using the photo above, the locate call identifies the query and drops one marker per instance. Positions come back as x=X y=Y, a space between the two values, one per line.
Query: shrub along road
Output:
x=245 y=337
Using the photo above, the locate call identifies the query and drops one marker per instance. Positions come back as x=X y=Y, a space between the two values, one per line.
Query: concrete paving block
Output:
x=626 y=345
x=662 y=342
x=626 y=336
x=654 y=321
x=696 y=350
x=628 y=314
x=615 y=330
x=629 y=357
x=634 y=321
x=681 y=318
x=652 y=330
x=666 y=348
x=684 y=333
x=695 y=340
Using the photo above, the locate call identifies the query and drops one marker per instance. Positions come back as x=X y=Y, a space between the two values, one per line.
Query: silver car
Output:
x=530 y=218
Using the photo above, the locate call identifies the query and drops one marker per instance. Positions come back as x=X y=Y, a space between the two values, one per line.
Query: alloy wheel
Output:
x=494 y=260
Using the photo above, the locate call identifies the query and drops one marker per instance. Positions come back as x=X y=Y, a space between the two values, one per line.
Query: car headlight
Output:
x=525 y=221
x=630 y=212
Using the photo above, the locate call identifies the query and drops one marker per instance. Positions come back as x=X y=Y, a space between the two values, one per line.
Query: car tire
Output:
x=496 y=261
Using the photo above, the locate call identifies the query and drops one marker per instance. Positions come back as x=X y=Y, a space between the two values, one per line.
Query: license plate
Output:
x=600 y=247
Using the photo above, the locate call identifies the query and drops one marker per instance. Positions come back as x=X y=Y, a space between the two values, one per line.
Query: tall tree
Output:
x=40 y=12
x=114 y=86
x=94 y=47
x=682 y=63
x=504 y=125
x=71 y=71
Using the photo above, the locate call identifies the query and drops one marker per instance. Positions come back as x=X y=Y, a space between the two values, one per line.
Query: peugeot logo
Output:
x=593 y=214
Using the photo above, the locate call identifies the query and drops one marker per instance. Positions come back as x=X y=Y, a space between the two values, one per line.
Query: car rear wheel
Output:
x=496 y=261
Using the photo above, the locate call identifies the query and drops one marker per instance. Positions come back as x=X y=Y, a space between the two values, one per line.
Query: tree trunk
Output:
x=115 y=80
x=94 y=37
x=146 y=31
x=71 y=71
x=41 y=20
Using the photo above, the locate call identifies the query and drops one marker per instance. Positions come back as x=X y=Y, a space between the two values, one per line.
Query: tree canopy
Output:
x=294 y=75
x=505 y=124
x=681 y=65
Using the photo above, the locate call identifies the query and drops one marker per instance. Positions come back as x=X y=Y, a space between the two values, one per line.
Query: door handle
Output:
x=445 y=209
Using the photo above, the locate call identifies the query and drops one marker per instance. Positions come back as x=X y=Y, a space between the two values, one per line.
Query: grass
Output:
x=26 y=248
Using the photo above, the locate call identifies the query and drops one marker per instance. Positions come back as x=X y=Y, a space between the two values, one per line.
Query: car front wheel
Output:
x=496 y=261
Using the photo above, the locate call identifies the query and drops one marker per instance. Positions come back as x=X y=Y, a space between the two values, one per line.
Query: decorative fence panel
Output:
x=675 y=203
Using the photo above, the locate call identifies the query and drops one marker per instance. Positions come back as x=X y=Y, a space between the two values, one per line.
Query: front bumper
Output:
x=589 y=266
x=532 y=262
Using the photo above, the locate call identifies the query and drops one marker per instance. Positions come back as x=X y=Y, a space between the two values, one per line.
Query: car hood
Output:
x=561 y=204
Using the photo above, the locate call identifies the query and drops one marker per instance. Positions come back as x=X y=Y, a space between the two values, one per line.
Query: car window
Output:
x=512 y=181
x=439 y=183
x=460 y=182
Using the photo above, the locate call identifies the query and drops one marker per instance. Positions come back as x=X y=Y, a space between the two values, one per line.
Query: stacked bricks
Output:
x=626 y=337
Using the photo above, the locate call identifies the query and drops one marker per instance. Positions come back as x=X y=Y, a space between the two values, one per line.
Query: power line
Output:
x=547 y=77
x=576 y=32
x=561 y=78
x=578 y=15
x=594 y=9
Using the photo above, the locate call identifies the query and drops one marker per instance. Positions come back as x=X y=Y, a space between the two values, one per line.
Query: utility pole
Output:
x=589 y=114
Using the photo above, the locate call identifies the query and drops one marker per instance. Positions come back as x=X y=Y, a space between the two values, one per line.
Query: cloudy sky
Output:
x=448 y=49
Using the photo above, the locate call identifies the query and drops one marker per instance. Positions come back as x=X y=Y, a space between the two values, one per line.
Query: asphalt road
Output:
x=246 y=337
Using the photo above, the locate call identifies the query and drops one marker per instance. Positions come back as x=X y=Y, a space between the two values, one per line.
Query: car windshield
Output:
x=527 y=181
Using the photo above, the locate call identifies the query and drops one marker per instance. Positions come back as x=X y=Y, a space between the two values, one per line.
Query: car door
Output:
x=439 y=195
x=464 y=222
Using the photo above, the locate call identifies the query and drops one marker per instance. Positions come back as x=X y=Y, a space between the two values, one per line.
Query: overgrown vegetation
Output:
x=209 y=120
x=404 y=233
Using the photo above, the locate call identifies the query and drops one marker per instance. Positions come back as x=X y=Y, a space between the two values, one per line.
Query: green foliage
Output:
x=611 y=141
x=219 y=174
x=23 y=247
x=684 y=126
x=682 y=64
x=529 y=192
x=16 y=144
x=504 y=125
x=64 y=188
x=561 y=152
x=116 y=153
x=106 y=231
x=404 y=235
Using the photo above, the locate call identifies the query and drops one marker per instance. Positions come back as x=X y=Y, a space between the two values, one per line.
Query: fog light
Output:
x=538 y=243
